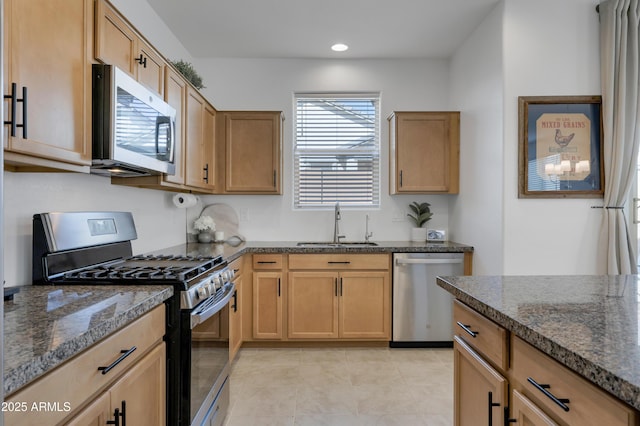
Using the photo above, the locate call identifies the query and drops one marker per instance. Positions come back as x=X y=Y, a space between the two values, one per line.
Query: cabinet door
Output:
x=96 y=414
x=235 y=319
x=480 y=392
x=151 y=67
x=267 y=305
x=365 y=311
x=143 y=391
x=526 y=413
x=252 y=152
x=312 y=305
x=209 y=146
x=426 y=150
x=195 y=172
x=176 y=96
x=56 y=72
x=116 y=42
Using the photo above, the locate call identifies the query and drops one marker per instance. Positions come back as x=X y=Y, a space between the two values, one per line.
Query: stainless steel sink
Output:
x=340 y=244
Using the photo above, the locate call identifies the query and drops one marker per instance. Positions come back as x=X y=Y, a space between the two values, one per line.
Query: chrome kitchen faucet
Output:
x=336 y=226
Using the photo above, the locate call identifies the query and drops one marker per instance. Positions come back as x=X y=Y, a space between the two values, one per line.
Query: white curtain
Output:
x=620 y=60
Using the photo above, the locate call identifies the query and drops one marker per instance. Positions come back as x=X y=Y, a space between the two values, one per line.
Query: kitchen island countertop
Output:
x=47 y=325
x=590 y=324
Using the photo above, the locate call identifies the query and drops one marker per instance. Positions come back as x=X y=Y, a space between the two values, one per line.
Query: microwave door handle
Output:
x=160 y=121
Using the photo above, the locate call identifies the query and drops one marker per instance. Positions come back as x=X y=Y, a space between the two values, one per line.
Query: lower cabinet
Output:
x=543 y=391
x=138 y=398
x=480 y=391
x=330 y=305
x=235 y=310
x=126 y=372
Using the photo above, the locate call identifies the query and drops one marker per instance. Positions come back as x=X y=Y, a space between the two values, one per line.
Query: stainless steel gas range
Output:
x=95 y=248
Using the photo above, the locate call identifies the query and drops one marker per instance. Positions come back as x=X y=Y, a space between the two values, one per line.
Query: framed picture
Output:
x=560 y=151
x=436 y=235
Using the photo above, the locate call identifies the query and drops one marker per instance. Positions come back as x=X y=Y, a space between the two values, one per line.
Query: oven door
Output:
x=208 y=364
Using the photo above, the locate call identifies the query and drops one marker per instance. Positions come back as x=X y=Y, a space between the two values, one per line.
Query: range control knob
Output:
x=202 y=292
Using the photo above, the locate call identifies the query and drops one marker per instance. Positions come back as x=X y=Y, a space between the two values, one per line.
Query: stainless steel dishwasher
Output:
x=422 y=311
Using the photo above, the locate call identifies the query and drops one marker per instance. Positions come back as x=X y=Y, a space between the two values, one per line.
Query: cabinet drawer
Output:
x=481 y=333
x=339 y=261
x=267 y=261
x=82 y=370
x=587 y=404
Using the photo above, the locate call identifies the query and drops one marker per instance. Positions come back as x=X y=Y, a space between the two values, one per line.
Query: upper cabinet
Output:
x=117 y=43
x=200 y=142
x=47 y=66
x=250 y=161
x=424 y=152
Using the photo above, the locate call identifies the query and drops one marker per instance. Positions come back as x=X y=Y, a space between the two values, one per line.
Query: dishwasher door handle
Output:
x=427 y=261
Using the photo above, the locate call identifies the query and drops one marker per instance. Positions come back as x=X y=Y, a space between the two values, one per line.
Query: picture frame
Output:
x=560 y=147
x=436 y=235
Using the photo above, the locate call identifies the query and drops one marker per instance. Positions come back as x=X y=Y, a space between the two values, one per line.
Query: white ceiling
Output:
x=373 y=29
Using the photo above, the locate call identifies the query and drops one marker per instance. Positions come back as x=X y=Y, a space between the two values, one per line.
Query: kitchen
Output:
x=501 y=60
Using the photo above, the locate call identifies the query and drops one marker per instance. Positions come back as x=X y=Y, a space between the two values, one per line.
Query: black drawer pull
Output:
x=331 y=262
x=561 y=402
x=267 y=262
x=125 y=353
x=466 y=328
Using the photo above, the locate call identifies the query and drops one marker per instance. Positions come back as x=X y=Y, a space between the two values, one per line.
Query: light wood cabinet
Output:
x=250 y=152
x=334 y=303
x=117 y=43
x=480 y=391
x=268 y=297
x=138 y=380
x=51 y=104
x=235 y=310
x=561 y=394
x=200 y=142
x=424 y=152
x=543 y=392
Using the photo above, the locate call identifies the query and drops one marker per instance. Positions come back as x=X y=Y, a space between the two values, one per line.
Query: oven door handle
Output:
x=211 y=306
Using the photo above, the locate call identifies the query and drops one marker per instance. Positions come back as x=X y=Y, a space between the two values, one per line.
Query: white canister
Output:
x=218 y=236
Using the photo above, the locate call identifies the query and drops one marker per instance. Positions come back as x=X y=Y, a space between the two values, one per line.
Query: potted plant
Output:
x=188 y=71
x=205 y=227
x=421 y=215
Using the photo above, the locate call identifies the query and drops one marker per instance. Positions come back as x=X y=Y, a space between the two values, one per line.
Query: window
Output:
x=337 y=151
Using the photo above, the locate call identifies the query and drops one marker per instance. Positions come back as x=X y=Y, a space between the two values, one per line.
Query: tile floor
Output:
x=335 y=387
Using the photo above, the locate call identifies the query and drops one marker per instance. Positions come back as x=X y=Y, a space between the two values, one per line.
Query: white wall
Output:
x=477 y=91
x=262 y=84
x=550 y=48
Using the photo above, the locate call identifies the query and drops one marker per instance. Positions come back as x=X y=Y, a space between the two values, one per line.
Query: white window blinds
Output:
x=337 y=151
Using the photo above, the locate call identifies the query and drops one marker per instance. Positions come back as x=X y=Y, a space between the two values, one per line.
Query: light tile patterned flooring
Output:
x=335 y=387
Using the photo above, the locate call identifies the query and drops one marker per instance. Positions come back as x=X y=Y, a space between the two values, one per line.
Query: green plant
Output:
x=187 y=70
x=421 y=213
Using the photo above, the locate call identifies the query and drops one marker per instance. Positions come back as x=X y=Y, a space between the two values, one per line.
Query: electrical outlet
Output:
x=244 y=214
x=398 y=216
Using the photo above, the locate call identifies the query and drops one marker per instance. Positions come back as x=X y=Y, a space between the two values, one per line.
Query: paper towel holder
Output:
x=183 y=201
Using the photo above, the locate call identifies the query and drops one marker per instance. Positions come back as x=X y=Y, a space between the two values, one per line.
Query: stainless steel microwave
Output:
x=133 y=129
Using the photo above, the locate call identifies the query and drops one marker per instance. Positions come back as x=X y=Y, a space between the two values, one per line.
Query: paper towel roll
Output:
x=183 y=201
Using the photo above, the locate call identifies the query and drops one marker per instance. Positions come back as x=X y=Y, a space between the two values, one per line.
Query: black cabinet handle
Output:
x=235 y=301
x=141 y=60
x=266 y=262
x=400 y=178
x=206 y=173
x=467 y=329
x=125 y=353
x=561 y=402
x=274 y=178
x=278 y=287
x=13 y=121
x=117 y=413
x=340 y=286
x=330 y=262
x=336 y=285
x=491 y=405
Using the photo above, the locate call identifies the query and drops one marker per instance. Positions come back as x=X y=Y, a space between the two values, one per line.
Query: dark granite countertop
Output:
x=232 y=251
x=591 y=324
x=46 y=325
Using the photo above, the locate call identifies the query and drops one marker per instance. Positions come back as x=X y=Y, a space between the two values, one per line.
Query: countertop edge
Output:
x=600 y=377
x=23 y=375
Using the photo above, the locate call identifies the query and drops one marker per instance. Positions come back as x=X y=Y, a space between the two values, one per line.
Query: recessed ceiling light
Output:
x=339 y=47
